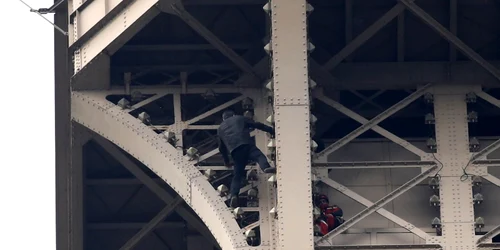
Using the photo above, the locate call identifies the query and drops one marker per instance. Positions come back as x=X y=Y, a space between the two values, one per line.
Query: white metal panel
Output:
x=397 y=238
x=353 y=239
x=452 y=137
x=289 y=44
x=151 y=149
x=293 y=162
x=130 y=15
x=360 y=177
x=93 y=13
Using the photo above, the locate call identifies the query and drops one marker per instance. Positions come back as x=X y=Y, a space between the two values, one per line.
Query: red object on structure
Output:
x=330 y=220
x=323 y=226
x=333 y=210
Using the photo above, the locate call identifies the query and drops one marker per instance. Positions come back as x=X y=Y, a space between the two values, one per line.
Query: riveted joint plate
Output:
x=206 y=202
x=294 y=170
x=90 y=12
x=466 y=232
x=456 y=200
x=109 y=32
x=290 y=66
x=134 y=137
x=457 y=211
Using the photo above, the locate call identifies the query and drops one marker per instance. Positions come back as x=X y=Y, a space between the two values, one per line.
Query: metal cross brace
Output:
x=492 y=179
x=373 y=122
x=490 y=246
x=450 y=37
x=187 y=124
x=377 y=205
x=495 y=145
x=215 y=110
x=147 y=101
x=364 y=36
x=489 y=235
x=341 y=108
x=179 y=10
x=148 y=228
x=155 y=187
x=368 y=100
x=367 y=203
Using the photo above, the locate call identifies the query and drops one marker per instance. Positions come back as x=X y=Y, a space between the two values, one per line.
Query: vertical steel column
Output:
x=178 y=127
x=62 y=94
x=267 y=192
x=76 y=188
x=452 y=136
x=291 y=113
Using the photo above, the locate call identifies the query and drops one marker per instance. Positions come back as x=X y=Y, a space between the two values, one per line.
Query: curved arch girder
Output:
x=92 y=110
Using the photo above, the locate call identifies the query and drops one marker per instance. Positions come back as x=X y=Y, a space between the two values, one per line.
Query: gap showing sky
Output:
x=27 y=147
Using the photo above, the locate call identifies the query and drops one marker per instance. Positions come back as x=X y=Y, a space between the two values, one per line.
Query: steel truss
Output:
x=427 y=166
x=449 y=107
x=136 y=138
x=345 y=165
x=371 y=207
x=91 y=35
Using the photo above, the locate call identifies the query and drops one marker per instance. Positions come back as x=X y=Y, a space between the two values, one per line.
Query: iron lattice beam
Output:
x=150 y=226
x=154 y=186
x=179 y=10
x=373 y=122
x=375 y=128
x=376 y=76
x=450 y=37
x=364 y=36
x=377 y=206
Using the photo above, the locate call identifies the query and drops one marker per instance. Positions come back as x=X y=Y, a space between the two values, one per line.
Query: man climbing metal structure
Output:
x=234 y=139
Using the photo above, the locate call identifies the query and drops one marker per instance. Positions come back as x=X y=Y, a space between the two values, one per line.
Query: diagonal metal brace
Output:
x=492 y=100
x=155 y=187
x=214 y=40
x=367 y=203
x=494 y=180
x=377 y=205
x=486 y=151
x=152 y=224
x=373 y=122
x=364 y=36
x=341 y=108
x=441 y=30
x=216 y=109
x=489 y=235
x=495 y=145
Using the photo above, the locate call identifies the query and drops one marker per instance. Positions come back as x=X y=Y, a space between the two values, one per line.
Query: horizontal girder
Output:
x=370 y=76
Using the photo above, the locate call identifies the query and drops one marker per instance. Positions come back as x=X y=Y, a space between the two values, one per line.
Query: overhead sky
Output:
x=27 y=160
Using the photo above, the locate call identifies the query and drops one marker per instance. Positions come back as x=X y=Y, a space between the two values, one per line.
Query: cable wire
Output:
x=465 y=176
x=40 y=14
